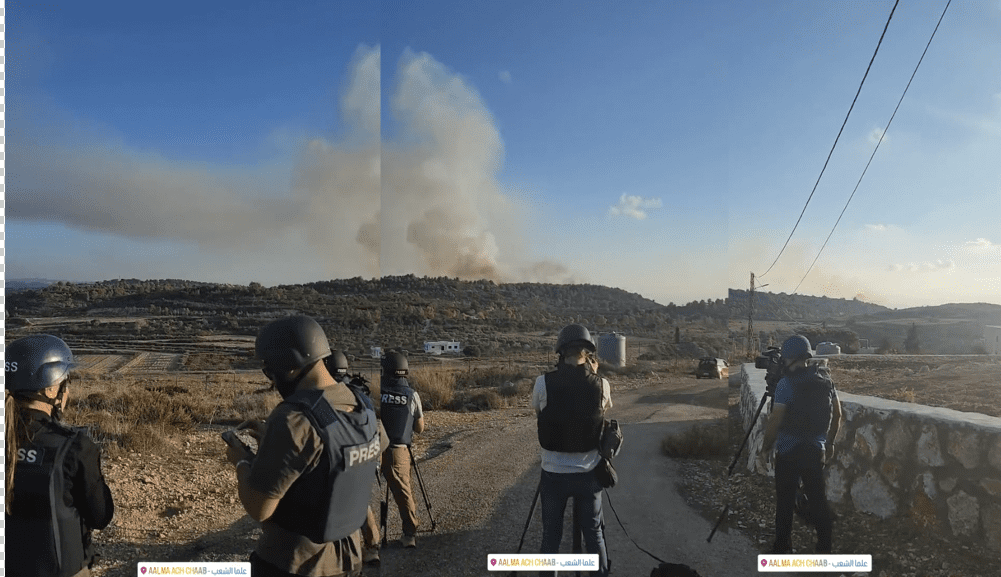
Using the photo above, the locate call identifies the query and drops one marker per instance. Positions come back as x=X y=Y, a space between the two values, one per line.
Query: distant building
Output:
x=992 y=340
x=439 y=347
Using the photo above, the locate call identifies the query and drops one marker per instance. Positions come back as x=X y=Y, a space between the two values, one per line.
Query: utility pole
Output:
x=750 y=320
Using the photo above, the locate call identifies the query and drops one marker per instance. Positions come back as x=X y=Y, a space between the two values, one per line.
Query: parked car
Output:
x=712 y=368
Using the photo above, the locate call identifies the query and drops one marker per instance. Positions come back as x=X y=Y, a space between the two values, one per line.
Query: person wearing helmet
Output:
x=56 y=493
x=802 y=426
x=337 y=366
x=402 y=415
x=309 y=483
x=570 y=403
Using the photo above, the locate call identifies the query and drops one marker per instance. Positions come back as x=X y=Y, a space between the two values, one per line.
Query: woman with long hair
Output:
x=55 y=491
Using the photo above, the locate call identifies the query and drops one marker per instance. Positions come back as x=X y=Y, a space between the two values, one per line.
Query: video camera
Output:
x=771 y=361
x=357 y=381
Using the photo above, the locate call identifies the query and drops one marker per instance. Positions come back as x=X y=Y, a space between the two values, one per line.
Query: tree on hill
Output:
x=911 y=343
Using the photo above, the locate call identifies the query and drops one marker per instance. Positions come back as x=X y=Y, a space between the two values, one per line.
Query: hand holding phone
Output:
x=234 y=440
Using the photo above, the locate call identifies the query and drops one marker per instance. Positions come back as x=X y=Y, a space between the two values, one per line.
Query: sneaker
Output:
x=409 y=541
x=371 y=556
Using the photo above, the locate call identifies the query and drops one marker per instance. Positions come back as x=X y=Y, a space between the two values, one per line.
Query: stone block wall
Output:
x=936 y=468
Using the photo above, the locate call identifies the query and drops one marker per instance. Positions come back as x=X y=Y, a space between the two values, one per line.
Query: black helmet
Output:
x=337 y=363
x=36 y=362
x=395 y=363
x=291 y=343
x=795 y=348
x=572 y=334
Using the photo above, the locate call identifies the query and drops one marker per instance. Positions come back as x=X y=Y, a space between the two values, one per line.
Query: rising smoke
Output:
x=425 y=201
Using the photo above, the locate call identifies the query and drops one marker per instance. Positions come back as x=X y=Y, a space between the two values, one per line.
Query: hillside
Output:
x=489 y=318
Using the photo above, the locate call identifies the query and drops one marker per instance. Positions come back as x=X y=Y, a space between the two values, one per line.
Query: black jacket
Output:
x=59 y=496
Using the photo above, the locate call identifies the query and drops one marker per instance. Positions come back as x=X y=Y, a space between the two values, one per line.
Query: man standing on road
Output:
x=402 y=416
x=802 y=425
x=337 y=366
x=570 y=403
x=311 y=479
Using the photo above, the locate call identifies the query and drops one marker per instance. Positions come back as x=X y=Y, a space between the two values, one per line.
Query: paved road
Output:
x=482 y=488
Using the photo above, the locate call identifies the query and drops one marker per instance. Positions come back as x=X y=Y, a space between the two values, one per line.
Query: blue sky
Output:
x=666 y=148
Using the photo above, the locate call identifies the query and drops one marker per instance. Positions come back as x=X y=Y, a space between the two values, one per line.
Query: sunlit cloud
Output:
x=980 y=243
x=634 y=206
x=877 y=227
x=940 y=265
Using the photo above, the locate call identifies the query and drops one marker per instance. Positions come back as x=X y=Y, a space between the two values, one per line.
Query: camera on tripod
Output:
x=771 y=361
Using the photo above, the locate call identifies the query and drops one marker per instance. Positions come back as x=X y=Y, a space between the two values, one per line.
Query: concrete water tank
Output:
x=828 y=349
x=612 y=349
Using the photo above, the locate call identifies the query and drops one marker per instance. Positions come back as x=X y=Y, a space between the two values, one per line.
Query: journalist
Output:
x=802 y=427
x=309 y=483
x=55 y=491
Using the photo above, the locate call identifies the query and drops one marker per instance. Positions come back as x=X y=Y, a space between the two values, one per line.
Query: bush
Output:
x=435 y=385
x=702 y=440
x=487 y=400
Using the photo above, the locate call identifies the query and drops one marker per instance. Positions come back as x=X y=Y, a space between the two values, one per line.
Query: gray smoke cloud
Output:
x=426 y=201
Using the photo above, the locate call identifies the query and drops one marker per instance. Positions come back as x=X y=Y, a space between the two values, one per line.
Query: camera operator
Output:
x=56 y=493
x=570 y=403
x=802 y=425
x=311 y=480
x=402 y=415
x=337 y=366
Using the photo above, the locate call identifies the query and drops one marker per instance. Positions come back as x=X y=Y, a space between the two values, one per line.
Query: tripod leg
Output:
x=531 y=511
x=420 y=482
x=384 y=513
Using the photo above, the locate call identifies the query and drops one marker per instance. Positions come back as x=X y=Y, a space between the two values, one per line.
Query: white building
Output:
x=992 y=340
x=439 y=347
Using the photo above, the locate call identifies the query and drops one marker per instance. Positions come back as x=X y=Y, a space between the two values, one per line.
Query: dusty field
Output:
x=971 y=384
x=177 y=499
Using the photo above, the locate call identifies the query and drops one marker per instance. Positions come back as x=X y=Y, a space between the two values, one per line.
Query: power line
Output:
x=881 y=136
x=829 y=154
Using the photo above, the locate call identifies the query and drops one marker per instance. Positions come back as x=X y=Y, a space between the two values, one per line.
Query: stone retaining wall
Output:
x=937 y=468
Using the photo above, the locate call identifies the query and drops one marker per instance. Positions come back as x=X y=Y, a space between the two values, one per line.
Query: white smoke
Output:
x=427 y=201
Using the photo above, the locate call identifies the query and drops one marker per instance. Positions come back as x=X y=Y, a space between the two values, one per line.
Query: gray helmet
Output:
x=337 y=363
x=395 y=363
x=795 y=348
x=36 y=362
x=291 y=343
x=572 y=334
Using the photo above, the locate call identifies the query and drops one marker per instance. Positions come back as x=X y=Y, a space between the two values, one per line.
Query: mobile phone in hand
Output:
x=234 y=440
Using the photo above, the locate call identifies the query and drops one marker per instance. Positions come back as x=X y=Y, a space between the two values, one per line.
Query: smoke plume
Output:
x=426 y=200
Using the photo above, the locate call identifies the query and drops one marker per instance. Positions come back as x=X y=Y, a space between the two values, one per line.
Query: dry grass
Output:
x=702 y=440
x=436 y=386
x=140 y=414
x=905 y=394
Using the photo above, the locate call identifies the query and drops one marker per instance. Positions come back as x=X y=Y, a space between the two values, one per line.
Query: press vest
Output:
x=398 y=420
x=809 y=412
x=572 y=418
x=47 y=534
x=331 y=501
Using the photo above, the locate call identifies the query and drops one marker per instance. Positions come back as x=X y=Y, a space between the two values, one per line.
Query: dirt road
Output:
x=481 y=471
x=482 y=488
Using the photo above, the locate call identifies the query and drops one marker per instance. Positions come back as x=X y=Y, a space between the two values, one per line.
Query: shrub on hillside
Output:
x=702 y=440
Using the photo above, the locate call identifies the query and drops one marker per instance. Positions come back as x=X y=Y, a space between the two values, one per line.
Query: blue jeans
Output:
x=586 y=493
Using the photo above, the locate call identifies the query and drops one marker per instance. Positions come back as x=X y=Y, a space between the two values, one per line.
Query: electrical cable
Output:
x=881 y=136
x=829 y=154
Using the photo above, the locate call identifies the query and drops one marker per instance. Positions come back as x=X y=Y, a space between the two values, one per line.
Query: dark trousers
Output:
x=804 y=462
x=583 y=488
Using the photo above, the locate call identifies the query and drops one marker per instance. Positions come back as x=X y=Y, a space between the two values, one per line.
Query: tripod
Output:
x=771 y=381
x=420 y=481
